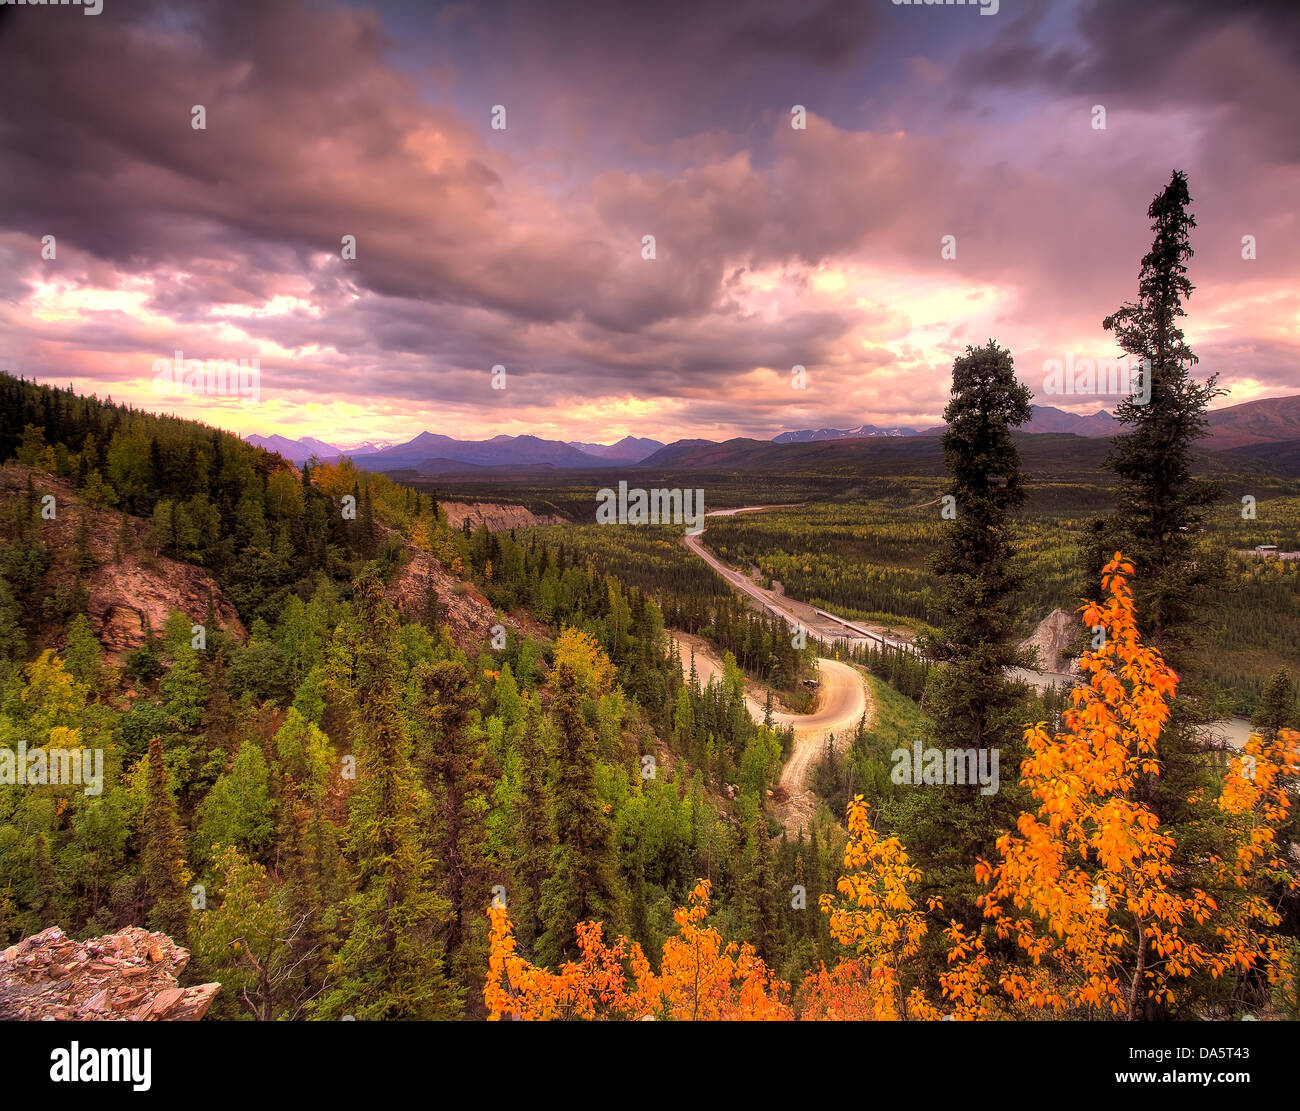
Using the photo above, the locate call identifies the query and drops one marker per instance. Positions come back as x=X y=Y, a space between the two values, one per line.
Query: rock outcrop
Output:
x=1054 y=635
x=127 y=975
x=498 y=518
x=468 y=614
x=128 y=585
x=123 y=596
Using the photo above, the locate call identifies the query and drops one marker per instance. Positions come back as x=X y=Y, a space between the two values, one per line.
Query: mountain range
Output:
x=630 y=449
x=808 y=436
x=1267 y=429
x=299 y=451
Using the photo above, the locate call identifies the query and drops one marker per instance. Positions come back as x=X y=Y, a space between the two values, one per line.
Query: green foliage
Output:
x=391 y=965
x=237 y=811
x=161 y=857
x=584 y=883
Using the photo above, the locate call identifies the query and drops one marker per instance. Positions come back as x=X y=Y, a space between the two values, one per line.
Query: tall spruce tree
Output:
x=535 y=827
x=584 y=882
x=162 y=858
x=1158 y=503
x=1159 y=506
x=460 y=776
x=971 y=701
x=975 y=639
x=391 y=965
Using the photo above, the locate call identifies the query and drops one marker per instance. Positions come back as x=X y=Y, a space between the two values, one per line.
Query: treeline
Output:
x=905 y=671
x=549 y=570
x=209 y=498
x=249 y=806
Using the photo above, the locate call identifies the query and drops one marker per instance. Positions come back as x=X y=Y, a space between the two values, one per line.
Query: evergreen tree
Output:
x=460 y=777
x=83 y=653
x=1158 y=504
x=971 y=702
x=535 y=827
x=1279 y=710
x=584 y=883
x=391 y=965
x=976 y=632
x=162 y=860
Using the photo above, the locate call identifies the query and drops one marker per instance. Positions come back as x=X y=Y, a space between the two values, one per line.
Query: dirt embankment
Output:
x=128 y=587
x=498 y=518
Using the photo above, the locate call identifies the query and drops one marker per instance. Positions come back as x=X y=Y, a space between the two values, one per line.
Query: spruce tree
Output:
x=1159 y=508
x=975 y=638
x=1158 y=503
x=460 y=776
x=584 y=883
x=1279 y=710
x=972 y=702
x=391 y=965
x=535 y=827
x=162 y=859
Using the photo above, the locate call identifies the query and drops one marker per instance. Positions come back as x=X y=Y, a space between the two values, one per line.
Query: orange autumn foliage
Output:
x=1255 y=801
x=700 y=976
x=876 y=919
x=1084 y=886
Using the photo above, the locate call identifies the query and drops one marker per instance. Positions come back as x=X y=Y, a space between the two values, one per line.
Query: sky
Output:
x=523 y=247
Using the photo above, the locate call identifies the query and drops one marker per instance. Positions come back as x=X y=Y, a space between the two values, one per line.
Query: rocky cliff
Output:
x=1054 y=635
x=129 y=585
x=127 y=975
x=498 y=518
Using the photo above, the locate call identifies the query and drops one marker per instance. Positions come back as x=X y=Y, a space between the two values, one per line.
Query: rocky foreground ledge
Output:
x=129 y=975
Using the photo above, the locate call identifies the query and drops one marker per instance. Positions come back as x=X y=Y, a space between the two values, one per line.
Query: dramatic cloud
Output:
x=523 y=247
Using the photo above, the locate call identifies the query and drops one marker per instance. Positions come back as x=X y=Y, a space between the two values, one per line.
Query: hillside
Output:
x=1048 y=454
x=104 y=562
x=1273 y=420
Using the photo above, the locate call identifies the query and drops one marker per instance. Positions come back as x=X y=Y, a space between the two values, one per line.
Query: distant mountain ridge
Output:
x=1250 y=425
x=1048 y=418
x=630 y=449
x=1269 y=420
x=1043 y=418
x=809 y=436
x=300 y=450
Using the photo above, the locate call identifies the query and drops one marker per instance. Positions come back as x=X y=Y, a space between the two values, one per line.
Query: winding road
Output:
x=843 y=699
x=843 y=695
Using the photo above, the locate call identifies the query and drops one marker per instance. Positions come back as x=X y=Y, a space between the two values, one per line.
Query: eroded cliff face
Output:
x=131 y=975
x=129 y=586
x=1054 y=635
x=470 y=617
x=498 y=518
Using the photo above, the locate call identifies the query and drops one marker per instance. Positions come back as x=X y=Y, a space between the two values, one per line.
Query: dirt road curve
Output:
x=842 y=700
